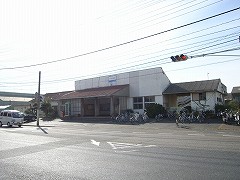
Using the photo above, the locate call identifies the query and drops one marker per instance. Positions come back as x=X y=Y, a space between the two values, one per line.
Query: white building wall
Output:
x=159 y=99
x=150 y=82
x=103 y=81
x=142 y=83
x=210 y=102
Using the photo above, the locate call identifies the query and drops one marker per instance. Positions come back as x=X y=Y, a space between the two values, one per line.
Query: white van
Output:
x=11 y=117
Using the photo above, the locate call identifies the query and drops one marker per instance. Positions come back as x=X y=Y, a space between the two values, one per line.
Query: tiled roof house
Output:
x=200 y=95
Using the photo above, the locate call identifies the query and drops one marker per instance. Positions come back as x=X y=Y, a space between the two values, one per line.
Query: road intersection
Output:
x=68 y=150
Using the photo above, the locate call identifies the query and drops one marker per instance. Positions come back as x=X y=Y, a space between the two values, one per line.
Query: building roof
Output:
x=15 y=99
x=56 y=96
x=190 y=87
x=236 y=90
x=4 y=107
x=93 y=92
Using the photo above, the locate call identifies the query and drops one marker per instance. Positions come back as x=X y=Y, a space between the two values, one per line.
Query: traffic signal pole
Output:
x=38 y=98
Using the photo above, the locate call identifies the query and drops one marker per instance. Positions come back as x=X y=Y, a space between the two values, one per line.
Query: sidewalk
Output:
x=212 y=125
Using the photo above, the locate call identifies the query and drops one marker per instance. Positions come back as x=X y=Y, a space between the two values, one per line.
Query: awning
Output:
x=120 y=90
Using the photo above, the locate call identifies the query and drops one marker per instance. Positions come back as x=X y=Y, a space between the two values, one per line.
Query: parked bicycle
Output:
x=229 y=117
x=132 y=118
x=159 y=117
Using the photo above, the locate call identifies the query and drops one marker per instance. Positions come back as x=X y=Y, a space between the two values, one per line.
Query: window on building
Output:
x=149 y=100
x=202 y=96
x=137 y=103
x=76 y=106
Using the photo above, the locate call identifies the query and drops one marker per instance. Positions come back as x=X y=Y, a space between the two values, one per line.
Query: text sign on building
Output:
x=112 y=80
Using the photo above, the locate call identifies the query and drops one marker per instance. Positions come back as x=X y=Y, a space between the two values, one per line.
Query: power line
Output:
x=212 y=45
x=207 y=54
x=125 y=43
x=145 y=63
x=121 y=69
x=175 y=38
x=220 y=62
x=229 y=55
x=184 y=8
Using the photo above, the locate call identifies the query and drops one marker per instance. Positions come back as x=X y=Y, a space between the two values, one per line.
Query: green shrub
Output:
x=155 y=109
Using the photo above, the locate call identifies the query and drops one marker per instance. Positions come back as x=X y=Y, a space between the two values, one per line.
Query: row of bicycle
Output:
x=183 y=117
x=132 y=118
x=230 y=117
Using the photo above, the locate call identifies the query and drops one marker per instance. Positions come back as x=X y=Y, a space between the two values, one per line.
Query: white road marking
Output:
x=165 y=133
x=115 y=131
x=126 y=151
x=227 y=135
x=196 y=134
x=95 y=142
x=150 y=146
x=138 y=132
x=116 y=145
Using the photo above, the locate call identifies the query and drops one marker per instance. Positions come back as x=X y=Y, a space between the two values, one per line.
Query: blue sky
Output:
x=42 y=31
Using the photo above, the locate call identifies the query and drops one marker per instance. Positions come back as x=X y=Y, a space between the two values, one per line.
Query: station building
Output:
x=107 y=95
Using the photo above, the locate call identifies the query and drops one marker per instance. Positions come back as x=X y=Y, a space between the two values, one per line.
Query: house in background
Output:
x=236 y=94
x=16 y=101
x=199 y=95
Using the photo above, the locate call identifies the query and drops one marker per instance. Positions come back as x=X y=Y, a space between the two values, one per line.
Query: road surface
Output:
x=68 y=150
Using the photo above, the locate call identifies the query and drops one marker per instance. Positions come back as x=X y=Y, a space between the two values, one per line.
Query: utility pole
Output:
x=38 y=98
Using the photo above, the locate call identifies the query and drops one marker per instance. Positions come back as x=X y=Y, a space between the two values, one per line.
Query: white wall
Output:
x=103 y=81
x=142 y=83
x=150 y=82
x=211 y=100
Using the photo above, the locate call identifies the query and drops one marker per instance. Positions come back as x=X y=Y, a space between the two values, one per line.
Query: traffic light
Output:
x=178 y=58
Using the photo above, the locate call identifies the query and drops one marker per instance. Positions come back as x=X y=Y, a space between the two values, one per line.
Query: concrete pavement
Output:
x=213 y=125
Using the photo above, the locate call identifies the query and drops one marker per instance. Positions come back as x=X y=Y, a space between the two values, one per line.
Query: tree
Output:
x=33 y=107
x=46 y=107
x=233 y=105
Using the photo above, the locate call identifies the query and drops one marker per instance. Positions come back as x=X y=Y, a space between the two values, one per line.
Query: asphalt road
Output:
x=68 y=150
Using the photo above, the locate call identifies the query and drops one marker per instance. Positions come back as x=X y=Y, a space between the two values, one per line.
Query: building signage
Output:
x=112 y=78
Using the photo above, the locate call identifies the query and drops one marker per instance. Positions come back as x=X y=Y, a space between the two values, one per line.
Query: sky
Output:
x=70 y=40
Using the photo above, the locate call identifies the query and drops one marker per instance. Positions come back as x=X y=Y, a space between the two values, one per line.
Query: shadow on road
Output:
x=42 y=129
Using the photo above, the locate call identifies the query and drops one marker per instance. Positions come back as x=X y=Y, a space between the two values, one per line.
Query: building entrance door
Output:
x=67 y=109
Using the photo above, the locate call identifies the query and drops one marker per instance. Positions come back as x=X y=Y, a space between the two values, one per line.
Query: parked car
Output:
x=29 y=117
x=11 y=117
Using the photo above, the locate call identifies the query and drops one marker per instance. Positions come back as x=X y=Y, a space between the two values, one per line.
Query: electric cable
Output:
x=124 y=43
